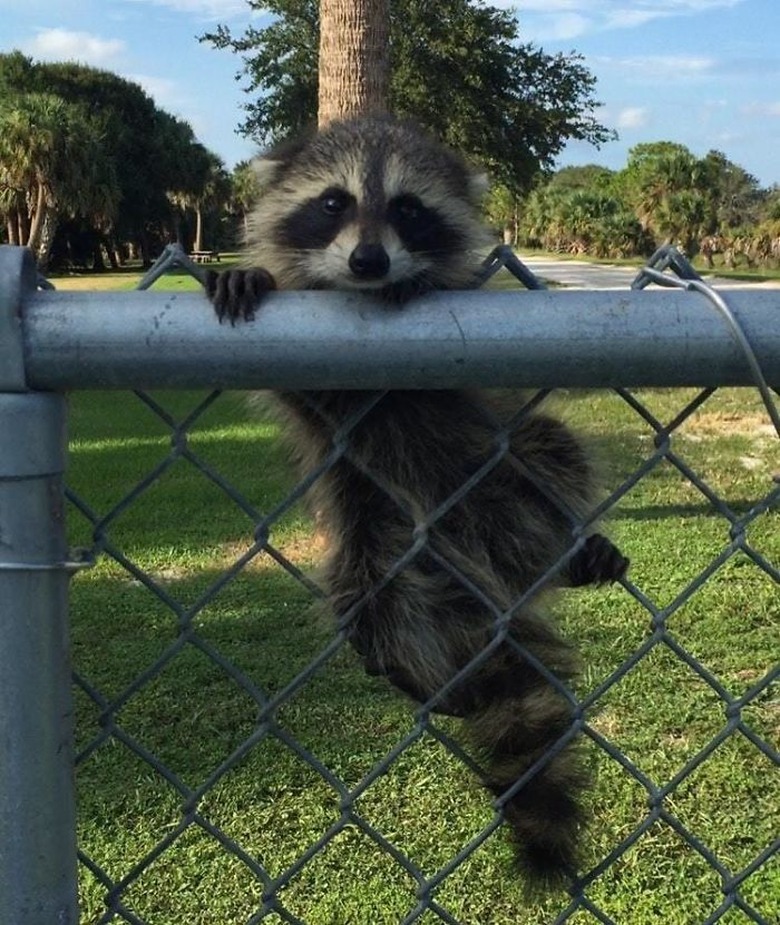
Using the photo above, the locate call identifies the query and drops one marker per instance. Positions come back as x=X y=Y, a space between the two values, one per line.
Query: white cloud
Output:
x=618 y=16
x=663 y=65
x=762 y=110
x=632 y=117
x=631 y=19
x=205 y=9
x=551 y=20
x=64 y=45
x=559 y=28
x=166 y=93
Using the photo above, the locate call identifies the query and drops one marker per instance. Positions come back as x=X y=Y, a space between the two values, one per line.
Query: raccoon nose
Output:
x=369 y=261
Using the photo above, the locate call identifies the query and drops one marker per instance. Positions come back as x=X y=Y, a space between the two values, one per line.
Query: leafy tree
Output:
x=459 y=69
x=572 y=218
x=665 y=193
x=280 y=62
x=52 y=166
x=588 y=177
x=668 y=188
x=213 y=192
x=244 y=190
x=771 y=206
x=737 y=194
x=107 y=162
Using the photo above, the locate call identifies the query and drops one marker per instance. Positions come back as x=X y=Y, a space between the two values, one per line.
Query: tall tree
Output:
x=737 y=193
x=104 y=155
x=669 y=189
x=52 y=166
x=457 y=66
x=213 y=192
x=354 y=61
x=244 y=190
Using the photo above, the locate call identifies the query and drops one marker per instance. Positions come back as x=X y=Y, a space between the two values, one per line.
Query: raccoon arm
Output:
x=236 y=293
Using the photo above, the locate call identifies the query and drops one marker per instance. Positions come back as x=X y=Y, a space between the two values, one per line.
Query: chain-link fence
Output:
x=234 y=761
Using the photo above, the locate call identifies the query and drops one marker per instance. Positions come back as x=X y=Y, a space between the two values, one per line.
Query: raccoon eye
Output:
x=334 y=201
x=419 y=226
x=408 y=208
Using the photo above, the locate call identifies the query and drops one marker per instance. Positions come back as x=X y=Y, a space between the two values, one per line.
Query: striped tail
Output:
x=521 y=726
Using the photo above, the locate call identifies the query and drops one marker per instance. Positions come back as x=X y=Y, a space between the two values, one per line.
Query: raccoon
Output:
x=444 y=514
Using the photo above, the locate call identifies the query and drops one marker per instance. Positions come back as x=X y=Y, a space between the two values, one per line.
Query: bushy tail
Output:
x=517 y=718
x=521 y=724
x=522 y=732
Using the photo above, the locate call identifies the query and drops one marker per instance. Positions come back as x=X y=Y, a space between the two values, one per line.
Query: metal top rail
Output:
x=649 y=337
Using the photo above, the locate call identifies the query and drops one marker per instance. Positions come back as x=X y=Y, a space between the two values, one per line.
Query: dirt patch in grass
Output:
x=95 y=284
x=305 y=551
x=724 y=423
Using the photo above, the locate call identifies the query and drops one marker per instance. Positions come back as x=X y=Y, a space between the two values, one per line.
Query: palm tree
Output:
x=244 y=190
x=27 y=132
x=52 y=164
x=354 y=63
x=214 y=191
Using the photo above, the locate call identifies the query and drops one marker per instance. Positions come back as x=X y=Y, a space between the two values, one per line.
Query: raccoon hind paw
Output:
x=599 y=561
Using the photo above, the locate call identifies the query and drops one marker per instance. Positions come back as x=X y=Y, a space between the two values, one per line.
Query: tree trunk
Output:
x=36 y=219
x=198 y=246
x=22 y=226
x=354 y=67
x=48 y=228
x=176 y=225
x=98 y=263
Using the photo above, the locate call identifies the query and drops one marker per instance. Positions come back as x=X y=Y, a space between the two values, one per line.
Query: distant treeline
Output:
x=665 y=194
x=92 y=172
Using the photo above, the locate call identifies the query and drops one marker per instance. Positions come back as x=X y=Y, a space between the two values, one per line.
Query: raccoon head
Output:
x=372 y=204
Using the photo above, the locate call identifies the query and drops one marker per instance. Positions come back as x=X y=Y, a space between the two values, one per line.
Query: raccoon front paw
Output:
x=597 y=562
x=236 y=293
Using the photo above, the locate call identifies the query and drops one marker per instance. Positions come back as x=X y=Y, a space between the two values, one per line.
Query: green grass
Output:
x=185 y=533
x=128 y=277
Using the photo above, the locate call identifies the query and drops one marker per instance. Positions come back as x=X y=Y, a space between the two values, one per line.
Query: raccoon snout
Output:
x=369 y=261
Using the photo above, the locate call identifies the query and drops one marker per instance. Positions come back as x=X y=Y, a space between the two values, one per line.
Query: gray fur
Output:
x=453 y=626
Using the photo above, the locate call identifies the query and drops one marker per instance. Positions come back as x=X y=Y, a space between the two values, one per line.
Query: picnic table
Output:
x=205 y=256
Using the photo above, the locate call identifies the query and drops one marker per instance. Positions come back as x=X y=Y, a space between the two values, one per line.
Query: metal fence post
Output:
x=38 y=867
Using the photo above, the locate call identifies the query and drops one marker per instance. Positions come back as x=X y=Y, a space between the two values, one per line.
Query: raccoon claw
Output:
x=598 y=561
x=236 y=293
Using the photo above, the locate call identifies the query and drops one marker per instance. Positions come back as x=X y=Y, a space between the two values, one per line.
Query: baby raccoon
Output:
x=429 y=564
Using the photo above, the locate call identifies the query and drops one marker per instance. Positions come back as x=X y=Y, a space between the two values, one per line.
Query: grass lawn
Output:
x=187 y=810
x=192 y=713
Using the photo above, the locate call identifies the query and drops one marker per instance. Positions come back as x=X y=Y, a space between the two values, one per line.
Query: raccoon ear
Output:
x=266 y=170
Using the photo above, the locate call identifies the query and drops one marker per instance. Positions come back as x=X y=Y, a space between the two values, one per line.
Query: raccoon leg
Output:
x=513 y=715
x=236 y=293
x=598 y=561
x=556 y=477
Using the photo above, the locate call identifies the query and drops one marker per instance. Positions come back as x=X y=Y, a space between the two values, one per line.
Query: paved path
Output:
x=582 y=275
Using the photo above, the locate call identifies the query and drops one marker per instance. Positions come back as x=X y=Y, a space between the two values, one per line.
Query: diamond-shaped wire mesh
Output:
x=236 y=765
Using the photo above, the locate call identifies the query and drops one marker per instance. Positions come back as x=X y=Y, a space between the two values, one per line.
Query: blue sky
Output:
x=705 y=73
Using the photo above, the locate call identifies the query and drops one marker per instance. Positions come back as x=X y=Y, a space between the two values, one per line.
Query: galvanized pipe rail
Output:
x=76 y=340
